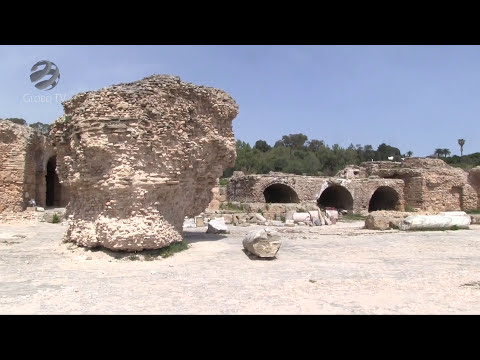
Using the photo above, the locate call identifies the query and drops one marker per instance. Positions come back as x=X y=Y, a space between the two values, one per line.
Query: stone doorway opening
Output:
x=280 y=193
x=384 y=198
x=336 y=196
x=53 y=186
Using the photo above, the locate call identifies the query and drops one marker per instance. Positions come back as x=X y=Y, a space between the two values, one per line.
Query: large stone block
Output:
x=263 y=243
x=139 y=157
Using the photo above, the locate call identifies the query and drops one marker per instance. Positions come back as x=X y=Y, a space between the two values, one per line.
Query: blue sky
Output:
x=416 y=98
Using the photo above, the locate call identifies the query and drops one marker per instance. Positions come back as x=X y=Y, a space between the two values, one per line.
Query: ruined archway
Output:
x=53 y=187
x=336 y=196
x=384 y=198
x=280 y=193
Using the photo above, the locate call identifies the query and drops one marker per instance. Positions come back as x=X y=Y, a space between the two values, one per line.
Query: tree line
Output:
x=41 y=127
x=295 y=154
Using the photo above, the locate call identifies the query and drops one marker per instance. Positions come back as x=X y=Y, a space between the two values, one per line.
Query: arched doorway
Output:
x=280 y=193
x=384 y=198
x=336 y=196
x=54 y=189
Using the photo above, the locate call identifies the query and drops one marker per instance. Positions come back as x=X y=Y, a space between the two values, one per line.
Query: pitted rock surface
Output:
x=139 y=157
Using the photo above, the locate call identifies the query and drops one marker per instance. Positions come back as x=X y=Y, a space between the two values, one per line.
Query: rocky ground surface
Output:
x=340 y=269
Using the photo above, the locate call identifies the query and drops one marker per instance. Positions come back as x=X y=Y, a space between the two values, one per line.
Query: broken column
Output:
x=263 y=243
x=139 y=157
x=443 y=221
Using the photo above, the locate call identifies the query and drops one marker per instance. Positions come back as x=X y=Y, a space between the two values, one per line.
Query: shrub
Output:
x=55 y=219
x=353 y=217
x=223 y=182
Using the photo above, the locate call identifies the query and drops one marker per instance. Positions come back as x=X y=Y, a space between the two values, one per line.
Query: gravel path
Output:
x=341 y=269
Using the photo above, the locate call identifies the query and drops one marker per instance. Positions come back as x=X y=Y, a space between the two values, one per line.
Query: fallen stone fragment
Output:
x=475 y=218
x=264 y=243
x=384 y=220
x=217 y=226
x=199 y=221
x=435 y=222
x=302 y=217
x=260 y=217
x=275 y=223
x=289 y=223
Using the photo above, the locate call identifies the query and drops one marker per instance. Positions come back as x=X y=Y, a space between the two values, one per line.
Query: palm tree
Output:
x=446 y=152
x=461 y=142
x=409 y=153
x=438 y=152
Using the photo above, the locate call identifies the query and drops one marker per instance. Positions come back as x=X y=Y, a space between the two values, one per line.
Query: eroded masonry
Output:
x=139 y=157
x=27 y=169
x=415 y=183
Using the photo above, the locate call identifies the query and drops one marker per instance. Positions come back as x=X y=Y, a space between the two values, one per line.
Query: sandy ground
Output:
x=341 y=269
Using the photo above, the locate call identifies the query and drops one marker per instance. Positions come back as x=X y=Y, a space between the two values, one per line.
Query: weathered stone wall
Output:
x=430 y=184
x=139 y=157
x=362 y=191
x=14 y=140
x=219 y=193
x=24 y=154
x=250 y=188
x=474 y=181
x=419 y=183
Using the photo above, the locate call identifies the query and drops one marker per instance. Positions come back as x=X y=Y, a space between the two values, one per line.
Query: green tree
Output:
x=315 y=145
x=294 y=141
x=368 y=153
x=294 y=154
x=438 y=152
x=246 y=161
x=461 y=142
x=446 y=152
x=43 y=128
x=262 y=146
x=17 y=121
x=384 y=151
x=409 y=153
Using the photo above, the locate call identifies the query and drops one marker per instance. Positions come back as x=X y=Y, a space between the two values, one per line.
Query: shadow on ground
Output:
x=193 y=237
x=255 y=257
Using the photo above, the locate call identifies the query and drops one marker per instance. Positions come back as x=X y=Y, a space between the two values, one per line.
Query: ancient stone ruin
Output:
x=139 y=157
x=421 y=184
x=27 y=169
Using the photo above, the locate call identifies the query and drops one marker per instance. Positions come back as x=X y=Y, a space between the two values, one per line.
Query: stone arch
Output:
x=384 y=198
x=336 y=196
x=280 y=193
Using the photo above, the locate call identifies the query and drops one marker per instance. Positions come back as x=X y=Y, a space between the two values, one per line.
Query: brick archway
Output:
x=384 y=198
x=280 y=193
x=336 y=196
